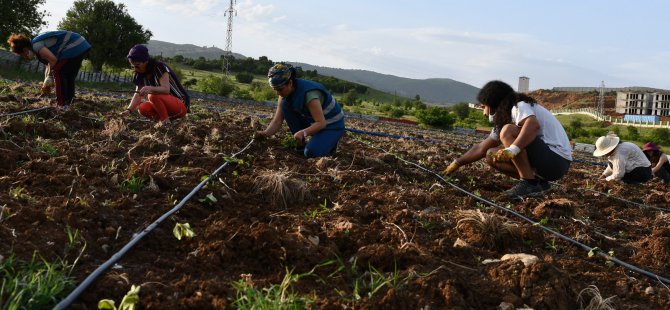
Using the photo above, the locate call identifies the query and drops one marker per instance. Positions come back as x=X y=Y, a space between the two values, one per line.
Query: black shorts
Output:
x=546 y=163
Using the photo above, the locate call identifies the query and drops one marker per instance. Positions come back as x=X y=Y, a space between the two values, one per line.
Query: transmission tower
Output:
x=601 y=100
x=228 y=56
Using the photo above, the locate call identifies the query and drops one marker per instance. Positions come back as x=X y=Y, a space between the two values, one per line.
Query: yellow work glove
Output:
x=451 y=168
x=507 y=154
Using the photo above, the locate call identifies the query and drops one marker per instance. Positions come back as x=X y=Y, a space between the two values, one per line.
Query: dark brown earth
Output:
x=361 y=210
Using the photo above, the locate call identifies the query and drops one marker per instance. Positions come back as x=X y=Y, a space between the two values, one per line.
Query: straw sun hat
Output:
x=605 y=144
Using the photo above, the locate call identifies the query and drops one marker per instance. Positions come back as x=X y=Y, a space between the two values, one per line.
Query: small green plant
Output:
x=273 y=297
x=127 y=303
x=183 y=230
x=313 y=214
x=46 y=147
x=289 y=142
x=553 y=246
x=134 y=184
x=209 y=199
x=594 y=251
x=544 y=221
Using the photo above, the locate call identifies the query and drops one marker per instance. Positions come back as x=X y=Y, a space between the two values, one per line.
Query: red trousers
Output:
x=160 y=107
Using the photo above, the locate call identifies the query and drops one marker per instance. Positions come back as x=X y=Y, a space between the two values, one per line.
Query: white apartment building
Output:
x=643 y=103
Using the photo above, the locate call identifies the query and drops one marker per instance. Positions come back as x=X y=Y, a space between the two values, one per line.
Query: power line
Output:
x=228 y=56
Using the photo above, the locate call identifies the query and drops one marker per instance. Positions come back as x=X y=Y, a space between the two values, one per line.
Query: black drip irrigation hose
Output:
x=63 y=304
x=26 y=112
x=378 y=134
x=557 y=234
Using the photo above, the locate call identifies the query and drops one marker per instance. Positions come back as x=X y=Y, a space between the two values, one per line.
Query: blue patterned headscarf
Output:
x=280 y=74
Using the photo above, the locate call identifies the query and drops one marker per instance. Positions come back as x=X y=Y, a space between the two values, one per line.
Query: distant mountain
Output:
x=168 y=49
x=437 y=91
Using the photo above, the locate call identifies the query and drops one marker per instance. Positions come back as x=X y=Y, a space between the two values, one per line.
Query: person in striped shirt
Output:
x=309 y=110
x=166 y=98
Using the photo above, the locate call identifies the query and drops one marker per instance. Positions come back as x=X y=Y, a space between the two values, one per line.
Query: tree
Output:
x=435 y=116
x=350 y=98
x=20 y=16
x=461 y=109
x=108 y=27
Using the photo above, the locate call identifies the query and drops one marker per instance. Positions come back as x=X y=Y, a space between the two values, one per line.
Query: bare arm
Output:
x=162 y=88
x=135 y=101
x=316 y=111
x=47 y=55
x=477 y=151
x=659 y=165
x=529 y=129
x=275 y=123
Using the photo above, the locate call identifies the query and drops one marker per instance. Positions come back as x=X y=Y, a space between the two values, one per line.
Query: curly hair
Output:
x=17 y=42
x=501 y=98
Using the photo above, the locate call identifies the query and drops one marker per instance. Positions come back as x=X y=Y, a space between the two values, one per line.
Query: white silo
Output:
x=524 y=83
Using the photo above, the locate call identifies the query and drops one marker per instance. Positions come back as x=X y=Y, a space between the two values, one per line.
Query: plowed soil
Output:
x=365 y=229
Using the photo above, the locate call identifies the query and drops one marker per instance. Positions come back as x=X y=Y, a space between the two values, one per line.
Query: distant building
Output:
x=636 y=102
x=524 y=84
x=475 y=105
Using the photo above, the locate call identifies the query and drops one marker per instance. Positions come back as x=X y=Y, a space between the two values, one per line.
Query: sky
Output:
x=567 y=43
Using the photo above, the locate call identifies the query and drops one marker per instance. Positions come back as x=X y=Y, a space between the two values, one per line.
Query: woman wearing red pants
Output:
x=166 y=99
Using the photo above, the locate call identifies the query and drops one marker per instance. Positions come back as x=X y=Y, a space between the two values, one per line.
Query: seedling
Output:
x=134 y=184
x=594 y=251
x=274 y=297
x=183 y=230
x=44 y=146
x=313 y=214
x=127 y=303
x=209 y=199
x=553 y=246
x=289 y=142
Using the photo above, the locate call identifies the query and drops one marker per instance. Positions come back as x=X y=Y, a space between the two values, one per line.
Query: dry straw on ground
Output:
x=281 y=187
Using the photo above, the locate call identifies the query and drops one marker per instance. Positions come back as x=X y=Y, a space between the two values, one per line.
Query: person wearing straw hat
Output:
x=309 y=110
x=527 y=142
x=659 y=161
x=62 y=53
x=166 y=98
x=626 y=162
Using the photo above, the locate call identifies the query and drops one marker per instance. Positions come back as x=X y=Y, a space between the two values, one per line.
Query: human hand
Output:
x=261 y=134
x=451 y=168
x=124 y=112
x=144 y=90
x=300 y=136
x=507 y=154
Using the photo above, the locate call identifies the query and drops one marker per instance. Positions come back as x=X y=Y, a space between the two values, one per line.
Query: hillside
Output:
x=168 y=49
x=436 y=91
x=573 y=100
x=442 y=91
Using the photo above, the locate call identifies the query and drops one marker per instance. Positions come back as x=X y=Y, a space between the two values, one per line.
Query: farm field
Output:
x=360 y=230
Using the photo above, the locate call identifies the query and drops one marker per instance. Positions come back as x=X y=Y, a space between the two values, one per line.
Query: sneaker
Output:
x=524 y=189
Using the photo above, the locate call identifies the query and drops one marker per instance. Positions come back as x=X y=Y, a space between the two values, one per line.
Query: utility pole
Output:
x=228 y=56
x=601 y=100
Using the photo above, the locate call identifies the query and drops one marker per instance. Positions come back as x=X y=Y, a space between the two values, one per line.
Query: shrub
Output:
x=244 y=77
x=221 y=86
x=435 y=116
